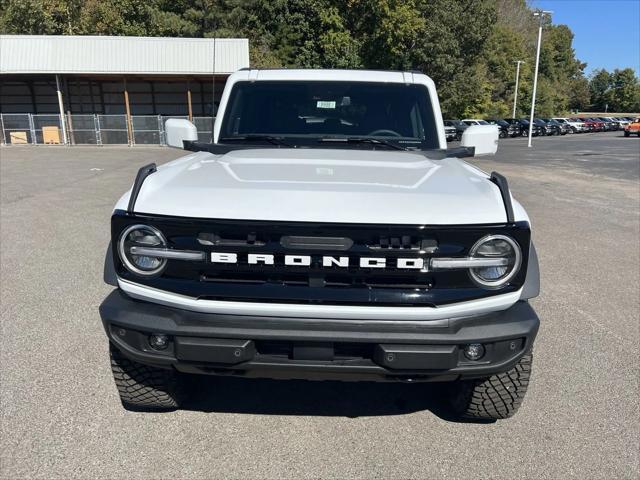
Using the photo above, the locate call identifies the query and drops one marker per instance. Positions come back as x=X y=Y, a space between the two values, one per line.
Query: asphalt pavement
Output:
x=60 y=414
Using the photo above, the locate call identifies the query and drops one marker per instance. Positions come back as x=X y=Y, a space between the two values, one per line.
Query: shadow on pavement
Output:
x=316 y=398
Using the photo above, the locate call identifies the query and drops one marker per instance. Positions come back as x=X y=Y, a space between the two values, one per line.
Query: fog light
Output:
x=474 y=351
x=159 y=341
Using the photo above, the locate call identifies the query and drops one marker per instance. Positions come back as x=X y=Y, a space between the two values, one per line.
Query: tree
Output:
x=579 y=94
x=599 y=85
x=40 y=17
x=624 y=95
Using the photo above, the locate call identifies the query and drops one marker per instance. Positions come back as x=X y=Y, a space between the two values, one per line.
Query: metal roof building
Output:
x=83 y=55
x=123 y=81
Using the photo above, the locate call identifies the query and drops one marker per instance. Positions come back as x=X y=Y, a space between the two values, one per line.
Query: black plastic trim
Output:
x=109 y=271
x=503 y=185
x=141 y=176
x=461 y=152
x=314 y=284
x=531 y=287
x=120 y=313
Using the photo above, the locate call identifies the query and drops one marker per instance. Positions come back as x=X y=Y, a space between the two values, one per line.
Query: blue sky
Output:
x=607 y=32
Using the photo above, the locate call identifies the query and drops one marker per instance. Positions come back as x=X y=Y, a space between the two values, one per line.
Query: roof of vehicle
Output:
x=331 y=75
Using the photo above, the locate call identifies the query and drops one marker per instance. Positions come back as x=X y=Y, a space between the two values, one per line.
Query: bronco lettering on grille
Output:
x=326 y=261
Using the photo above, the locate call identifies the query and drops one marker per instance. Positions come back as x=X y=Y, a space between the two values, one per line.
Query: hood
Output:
x=322 y=185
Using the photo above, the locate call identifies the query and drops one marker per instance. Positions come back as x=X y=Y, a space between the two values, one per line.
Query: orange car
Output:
x=633 y=127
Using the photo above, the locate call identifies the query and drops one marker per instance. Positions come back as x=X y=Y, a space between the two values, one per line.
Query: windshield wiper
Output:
x=374 y=141
x=251 y=137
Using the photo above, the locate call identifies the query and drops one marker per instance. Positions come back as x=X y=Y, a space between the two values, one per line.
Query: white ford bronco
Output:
x=326 y=233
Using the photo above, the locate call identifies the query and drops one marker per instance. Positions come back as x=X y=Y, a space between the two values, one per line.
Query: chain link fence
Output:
x=92 y=129
x=83 y=129
x=17 y=128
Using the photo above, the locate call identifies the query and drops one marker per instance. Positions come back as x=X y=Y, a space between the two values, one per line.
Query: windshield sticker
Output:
x=325 y=104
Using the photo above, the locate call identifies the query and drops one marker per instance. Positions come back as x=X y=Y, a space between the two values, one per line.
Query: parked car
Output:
x=331 y=273
x=506 y=129
x=574 y=125
x=633 y=128
x=619 y=122
x=548 y=128
x=564 y=128
x=523 y=126
x=450 y=133
x=622 y=121
x=459 y=125
x=609 y=123
x=593 y=125
x=579 y=123
x=600 y=125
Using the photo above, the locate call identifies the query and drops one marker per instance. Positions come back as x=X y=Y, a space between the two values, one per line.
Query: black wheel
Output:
x=142 y=387
x=493 y=398
x=524 y=133
x=626 y=134
x=502 y=134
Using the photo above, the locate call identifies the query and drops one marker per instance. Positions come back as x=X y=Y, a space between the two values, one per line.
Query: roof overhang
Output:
x=102 y=55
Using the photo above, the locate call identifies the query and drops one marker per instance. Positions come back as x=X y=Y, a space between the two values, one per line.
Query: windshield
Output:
x=303 y=112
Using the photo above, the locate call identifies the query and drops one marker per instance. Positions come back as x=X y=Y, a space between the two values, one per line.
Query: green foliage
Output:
x=468 y=47
x=624 y=94
x=615 y=92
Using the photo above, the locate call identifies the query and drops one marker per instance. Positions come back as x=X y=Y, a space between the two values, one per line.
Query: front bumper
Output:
x=318 y=348
x=450 y=135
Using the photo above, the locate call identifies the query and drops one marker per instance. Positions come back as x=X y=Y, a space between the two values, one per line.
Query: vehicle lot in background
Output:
x=506 y=129
x=573 y=123
x=459 y=125
x=61 y=415
x=557 y=127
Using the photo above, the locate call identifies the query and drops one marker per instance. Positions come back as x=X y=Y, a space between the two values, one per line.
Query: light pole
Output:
x=540 y=14
x=515 y=95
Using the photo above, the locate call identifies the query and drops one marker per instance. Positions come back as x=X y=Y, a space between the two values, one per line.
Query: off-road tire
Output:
x=493 y=398
x=142 y=387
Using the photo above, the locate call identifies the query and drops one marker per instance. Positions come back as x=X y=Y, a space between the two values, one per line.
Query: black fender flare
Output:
x=109 y=272
x=531 y=287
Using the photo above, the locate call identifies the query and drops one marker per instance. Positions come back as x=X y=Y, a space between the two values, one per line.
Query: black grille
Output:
x=317 y=284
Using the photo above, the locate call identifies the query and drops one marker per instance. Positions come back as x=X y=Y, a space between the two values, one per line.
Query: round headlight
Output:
x=141 y=236
x=498 y=247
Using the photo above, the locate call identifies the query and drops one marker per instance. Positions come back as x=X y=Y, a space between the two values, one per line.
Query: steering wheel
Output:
x=383 y=132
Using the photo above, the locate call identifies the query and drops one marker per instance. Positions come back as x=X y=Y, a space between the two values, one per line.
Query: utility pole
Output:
x=61 y=107
x=540 y=14
x=515 y=95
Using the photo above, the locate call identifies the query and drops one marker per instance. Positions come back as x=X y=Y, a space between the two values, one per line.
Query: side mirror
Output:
x=482 y=138
x=176 y=130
